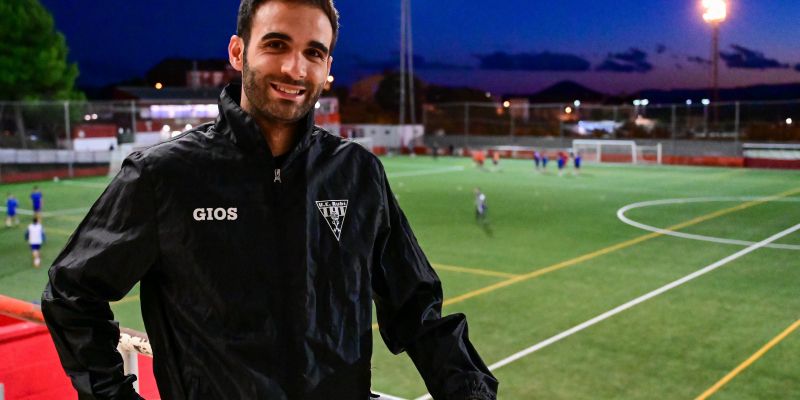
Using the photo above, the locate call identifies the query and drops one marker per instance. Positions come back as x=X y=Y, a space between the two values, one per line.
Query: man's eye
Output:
x=315 y=53
x=275 y=45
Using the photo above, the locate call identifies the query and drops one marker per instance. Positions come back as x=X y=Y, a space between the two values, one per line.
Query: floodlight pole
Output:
x=715 y=72
x=402 y=119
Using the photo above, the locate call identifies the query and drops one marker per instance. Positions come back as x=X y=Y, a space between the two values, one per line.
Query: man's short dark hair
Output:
x=247 y=9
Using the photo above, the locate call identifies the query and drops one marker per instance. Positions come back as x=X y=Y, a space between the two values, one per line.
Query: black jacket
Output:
x=256 y=279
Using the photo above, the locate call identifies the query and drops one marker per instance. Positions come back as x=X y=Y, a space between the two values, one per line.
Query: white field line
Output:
x=621 y=215
x=386 y=396
x=426 y=172
x=70 y=211
x=86 y=184
x=634 y=302
x=643 y=298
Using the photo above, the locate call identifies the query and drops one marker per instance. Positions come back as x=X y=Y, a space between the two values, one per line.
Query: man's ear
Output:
x=236 y=51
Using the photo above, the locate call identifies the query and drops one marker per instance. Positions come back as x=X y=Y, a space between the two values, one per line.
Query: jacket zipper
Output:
x=277 y=176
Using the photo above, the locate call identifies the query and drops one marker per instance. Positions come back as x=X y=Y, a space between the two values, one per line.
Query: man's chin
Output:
x=286 y=115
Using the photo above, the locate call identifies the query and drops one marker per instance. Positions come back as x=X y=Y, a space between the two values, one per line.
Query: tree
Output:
x=33 y=58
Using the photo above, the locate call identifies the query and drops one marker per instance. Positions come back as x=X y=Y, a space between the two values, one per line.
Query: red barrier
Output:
x=771 y=163
x=708 y=161
x=29 y=365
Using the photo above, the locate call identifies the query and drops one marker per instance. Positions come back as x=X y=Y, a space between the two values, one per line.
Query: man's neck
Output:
x=279 y=136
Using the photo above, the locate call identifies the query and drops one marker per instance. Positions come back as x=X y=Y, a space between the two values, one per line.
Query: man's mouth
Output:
x=288 y=90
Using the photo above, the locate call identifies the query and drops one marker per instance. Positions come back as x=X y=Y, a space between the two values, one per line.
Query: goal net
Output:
x=616 y=151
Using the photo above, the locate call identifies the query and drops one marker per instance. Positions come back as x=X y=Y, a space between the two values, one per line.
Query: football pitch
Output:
x=623 y=282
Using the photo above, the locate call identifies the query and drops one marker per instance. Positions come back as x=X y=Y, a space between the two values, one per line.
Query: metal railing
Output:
x=131 y=342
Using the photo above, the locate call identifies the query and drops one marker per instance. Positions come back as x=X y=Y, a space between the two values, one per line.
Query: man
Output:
x=260 y=242
x=11 y=211
x=562 y=162
x=36 y=201
x=576 y=162
x=34 y=235
x=480 y=206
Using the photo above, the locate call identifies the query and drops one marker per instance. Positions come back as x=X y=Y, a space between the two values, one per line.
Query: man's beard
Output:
x=256 y=88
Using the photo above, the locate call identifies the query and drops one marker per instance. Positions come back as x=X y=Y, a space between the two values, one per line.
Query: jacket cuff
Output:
x=476 y=390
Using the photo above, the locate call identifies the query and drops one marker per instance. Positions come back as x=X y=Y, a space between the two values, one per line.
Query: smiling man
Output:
x=260 y=242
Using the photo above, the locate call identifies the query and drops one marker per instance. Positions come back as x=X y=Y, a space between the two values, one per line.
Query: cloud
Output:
x=660 y=48
x=745 y=58
x=420 y=63
x=544 y=61
x=633 y=60
x=698 y=60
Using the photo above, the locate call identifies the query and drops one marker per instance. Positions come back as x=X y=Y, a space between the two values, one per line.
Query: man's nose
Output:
x=294 y=66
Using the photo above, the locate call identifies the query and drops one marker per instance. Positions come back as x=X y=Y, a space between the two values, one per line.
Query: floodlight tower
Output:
x=715 y=12
x=406 y=63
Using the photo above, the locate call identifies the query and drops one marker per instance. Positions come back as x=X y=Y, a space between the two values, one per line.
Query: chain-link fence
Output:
x=58 y=124
x=777 y=121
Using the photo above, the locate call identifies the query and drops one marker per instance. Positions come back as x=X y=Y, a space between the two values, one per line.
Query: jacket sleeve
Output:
x=109 y=252
x=408 y=299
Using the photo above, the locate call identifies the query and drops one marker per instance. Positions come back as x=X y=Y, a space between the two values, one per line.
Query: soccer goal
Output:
x=616 y=151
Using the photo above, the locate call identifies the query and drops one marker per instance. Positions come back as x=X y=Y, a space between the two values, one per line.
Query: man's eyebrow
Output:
x=319 y=46
x=276 y=35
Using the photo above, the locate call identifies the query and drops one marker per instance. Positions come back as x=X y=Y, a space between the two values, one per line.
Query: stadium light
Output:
x=94 y=116
x=187 y=127
x=317 y=105
x=789 y=121
x=159 y=86
x=715 y=11
x=568 y=110
x=506 y=104
x=576 y=103
x=637 y=102
x=488 y=95
x=688 y=102
x=330 y=78
x=706 y=102
x=645 y=102
x=87 y=117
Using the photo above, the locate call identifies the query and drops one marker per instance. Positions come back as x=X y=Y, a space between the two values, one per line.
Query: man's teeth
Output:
x=287 y=90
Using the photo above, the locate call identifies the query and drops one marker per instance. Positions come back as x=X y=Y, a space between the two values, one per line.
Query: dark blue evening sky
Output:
x=503 y=46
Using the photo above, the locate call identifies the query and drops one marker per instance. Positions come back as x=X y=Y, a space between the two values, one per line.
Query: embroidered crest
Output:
x=333 y=211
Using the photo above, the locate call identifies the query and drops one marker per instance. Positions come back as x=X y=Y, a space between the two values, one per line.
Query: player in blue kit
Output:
x=36 y=200
x=537 y=159
x=576 y=162
x=562 y=161
x=11 y=211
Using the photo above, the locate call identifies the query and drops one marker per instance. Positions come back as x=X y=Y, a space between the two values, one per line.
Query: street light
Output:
x=715 y=11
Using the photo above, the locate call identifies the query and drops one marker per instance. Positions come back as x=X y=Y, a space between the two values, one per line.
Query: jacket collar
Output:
x=238 y=126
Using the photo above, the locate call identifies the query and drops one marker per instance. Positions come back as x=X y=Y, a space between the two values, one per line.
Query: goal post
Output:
x=617 y=151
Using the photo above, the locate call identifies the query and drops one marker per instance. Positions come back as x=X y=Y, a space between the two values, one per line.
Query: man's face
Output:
x=287 y=61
